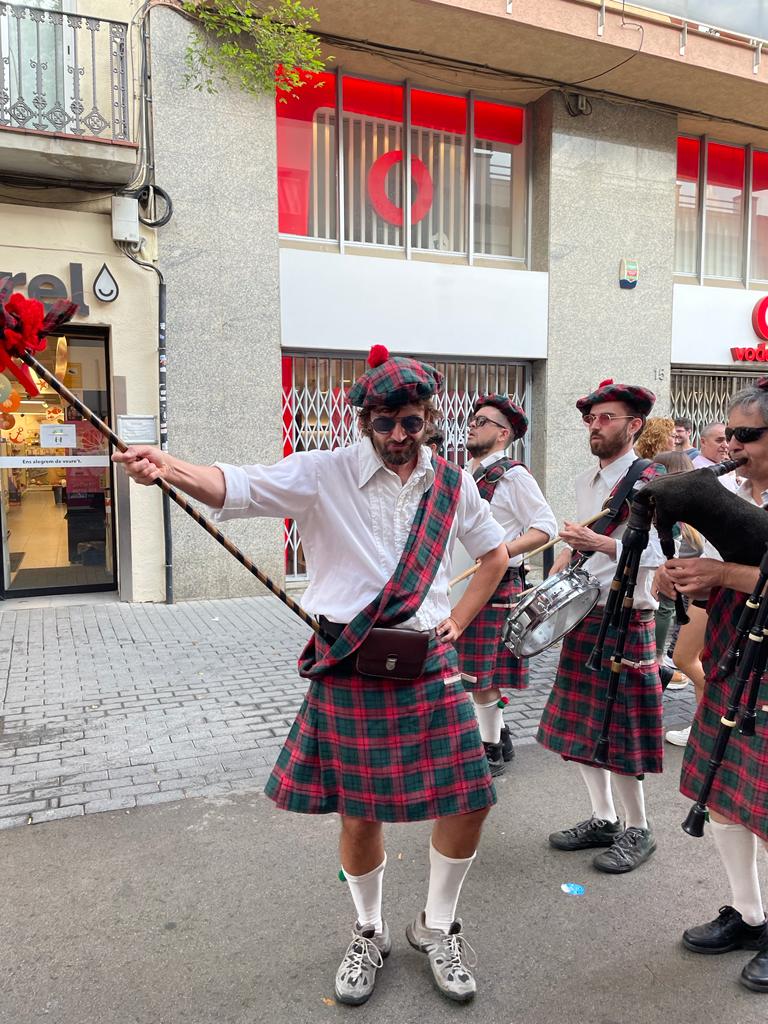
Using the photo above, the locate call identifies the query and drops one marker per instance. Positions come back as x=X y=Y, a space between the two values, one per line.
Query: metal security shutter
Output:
x=317 y=415
x=703 y=395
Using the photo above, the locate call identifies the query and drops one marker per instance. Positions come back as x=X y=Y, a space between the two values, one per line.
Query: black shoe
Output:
x=495 y=754
x=628 y=851
x=507 y=750
x=755 y=973
x=666 y=674
x=728 y=931
x=593 y=832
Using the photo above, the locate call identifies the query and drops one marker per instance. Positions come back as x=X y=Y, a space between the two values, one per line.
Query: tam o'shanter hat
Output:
x=393 y=381
x=638 y=398
x=512 y=412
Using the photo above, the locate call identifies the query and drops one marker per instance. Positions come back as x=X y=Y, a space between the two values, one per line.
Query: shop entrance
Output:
x=56 y=479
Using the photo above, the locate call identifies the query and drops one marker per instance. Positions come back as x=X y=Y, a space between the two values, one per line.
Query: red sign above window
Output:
x=755 y=353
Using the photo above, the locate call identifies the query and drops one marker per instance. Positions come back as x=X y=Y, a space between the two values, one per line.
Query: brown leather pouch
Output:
x=393 y=653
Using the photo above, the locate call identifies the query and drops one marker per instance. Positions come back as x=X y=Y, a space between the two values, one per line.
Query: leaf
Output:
x=329 y=1002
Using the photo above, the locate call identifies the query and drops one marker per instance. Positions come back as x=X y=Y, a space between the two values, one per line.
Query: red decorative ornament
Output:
x=605 y=383
x=7 y=422
x=377 y=192
x=379 y=354
x=12 y=402
x=23 y=327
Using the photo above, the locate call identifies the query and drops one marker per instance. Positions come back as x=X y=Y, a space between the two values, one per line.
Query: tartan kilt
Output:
x=740 y=790
x=482 y=655
x=573 y=716
x=384 y=750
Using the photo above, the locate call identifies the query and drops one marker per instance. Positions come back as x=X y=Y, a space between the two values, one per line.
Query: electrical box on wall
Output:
x=125 y=219
x=628 y=273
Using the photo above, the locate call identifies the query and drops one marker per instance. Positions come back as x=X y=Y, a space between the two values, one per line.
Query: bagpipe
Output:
x=738 y=531
x=24 y=326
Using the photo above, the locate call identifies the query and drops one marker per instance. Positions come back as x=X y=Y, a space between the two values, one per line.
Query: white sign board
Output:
x=138 y=429
x=58 y=435
x=51 y=461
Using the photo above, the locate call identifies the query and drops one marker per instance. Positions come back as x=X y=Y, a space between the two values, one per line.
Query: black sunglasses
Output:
x=744 y=435
x=386 y=424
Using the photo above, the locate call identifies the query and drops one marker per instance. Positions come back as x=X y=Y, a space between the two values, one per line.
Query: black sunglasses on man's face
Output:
x=744 y=435
x=386 y=424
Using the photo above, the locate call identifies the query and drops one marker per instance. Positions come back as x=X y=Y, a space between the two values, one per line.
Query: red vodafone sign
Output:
x=756 y=353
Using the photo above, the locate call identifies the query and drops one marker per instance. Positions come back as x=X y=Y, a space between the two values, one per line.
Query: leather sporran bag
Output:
x=392 y=653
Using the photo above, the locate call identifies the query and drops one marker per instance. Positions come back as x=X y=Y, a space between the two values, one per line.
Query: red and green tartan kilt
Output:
x=383 y=750
x=740 y=789
x=573 y=716
x=482 y=655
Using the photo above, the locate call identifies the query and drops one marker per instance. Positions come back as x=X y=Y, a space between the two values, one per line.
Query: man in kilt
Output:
x=378 y=520
x=738 y=802
x=520 y=508
x=614 y=415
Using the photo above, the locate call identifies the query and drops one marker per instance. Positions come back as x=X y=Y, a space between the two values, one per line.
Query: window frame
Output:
x=408 y=251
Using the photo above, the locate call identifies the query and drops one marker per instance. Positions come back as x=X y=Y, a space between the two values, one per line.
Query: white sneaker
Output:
x=364 y=957
x=678 y=681
x=678 y=737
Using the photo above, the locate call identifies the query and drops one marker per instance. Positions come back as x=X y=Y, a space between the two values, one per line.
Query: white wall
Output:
x=349 y=302
x=708 y=322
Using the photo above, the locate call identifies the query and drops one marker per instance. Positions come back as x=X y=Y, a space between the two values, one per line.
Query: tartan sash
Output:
x=487 y=477
x=404 y=593
x=651 y=472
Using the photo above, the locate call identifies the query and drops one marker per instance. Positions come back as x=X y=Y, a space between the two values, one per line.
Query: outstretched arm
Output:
x=145 y=464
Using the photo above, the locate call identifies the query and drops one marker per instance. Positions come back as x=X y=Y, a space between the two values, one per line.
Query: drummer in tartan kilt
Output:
x=738 y=802
x=378 y=521
x=518 y=505
x=614 y=415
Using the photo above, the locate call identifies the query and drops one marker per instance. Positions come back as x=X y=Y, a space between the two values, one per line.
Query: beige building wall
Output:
x=46 y=241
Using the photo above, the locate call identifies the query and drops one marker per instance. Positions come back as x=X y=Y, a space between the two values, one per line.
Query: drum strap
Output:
x=617 y=499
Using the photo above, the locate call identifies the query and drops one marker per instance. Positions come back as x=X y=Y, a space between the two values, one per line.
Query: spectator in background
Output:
x=683 y=429
x=658 y=436
x=714 y=447
x=435 y=440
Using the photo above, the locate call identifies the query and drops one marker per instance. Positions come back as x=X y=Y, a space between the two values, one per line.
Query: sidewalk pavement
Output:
x=110 y=706
x=227 y=911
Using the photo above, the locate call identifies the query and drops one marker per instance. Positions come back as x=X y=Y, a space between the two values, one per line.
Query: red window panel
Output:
x=439 y=112
x=495 y=122
x=379 y=100
x=759 y=172
x=688 y=156
x=725 y=165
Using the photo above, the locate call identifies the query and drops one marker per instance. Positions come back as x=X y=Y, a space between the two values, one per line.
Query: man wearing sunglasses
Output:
x=614 y=414
x=378 y=521
x=521 y=509
x=738 y=810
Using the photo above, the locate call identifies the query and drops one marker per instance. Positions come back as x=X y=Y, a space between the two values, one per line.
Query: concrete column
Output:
x=215 y=156
x=603 y=188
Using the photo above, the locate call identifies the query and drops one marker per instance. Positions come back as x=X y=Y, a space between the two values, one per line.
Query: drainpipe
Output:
x=163 y=408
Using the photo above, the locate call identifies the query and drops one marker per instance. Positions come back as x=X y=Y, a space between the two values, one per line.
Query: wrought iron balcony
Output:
x=63 y=73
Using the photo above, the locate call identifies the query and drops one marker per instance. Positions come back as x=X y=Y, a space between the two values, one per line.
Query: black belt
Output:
x=335 y=629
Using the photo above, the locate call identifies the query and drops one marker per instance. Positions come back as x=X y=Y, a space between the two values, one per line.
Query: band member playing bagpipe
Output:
x=738 y=799
x=386 y=731
x=614 y=414
x=521 y=509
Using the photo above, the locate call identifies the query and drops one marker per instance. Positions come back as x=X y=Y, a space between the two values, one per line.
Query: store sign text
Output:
x=42 y=461
x=755 y=353
x=47 y=288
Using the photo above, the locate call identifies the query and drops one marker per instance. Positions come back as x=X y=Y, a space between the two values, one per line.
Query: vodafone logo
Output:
x=758 y=353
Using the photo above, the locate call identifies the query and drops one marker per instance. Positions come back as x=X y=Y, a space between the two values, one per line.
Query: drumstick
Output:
x=529 y=554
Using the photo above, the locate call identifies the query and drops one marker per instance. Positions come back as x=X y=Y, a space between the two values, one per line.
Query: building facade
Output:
x=532 y=196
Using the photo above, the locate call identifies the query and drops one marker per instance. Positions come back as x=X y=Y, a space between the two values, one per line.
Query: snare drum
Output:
x=549 y=611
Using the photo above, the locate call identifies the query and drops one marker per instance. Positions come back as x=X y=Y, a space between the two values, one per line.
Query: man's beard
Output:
x=606 y=448
x=404 y=453
x=478 y=450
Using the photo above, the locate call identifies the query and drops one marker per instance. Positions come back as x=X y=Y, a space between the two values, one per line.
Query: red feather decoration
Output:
x=23 y=327
x=605 y=383
x=379 y=354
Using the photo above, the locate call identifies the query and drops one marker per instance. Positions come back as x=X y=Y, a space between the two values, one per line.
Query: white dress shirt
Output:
x=592 y=490
x=517 y=504
x=354 y=516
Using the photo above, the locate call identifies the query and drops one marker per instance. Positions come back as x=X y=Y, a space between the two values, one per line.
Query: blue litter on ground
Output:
x=572 y=889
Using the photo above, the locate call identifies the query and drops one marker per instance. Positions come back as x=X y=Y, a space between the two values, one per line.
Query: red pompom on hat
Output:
x=605 y=383
x=379 y=354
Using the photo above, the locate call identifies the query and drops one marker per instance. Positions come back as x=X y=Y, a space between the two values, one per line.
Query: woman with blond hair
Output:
x=657 y=436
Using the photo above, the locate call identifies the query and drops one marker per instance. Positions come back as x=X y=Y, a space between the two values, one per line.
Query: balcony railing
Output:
x=63 y=73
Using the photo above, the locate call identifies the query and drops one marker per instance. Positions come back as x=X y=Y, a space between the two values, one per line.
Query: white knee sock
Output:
x=631 y=794
x=446 y=877
x=598 y=782
x=366 y=894
x=737 y=847
x=490 y=719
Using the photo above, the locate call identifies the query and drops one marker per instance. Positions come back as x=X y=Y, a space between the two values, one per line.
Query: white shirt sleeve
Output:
x=476 y=528
x=283 y=491
x=518 y=505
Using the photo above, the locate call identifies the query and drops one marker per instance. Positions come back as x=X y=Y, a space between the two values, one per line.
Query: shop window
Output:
x=687 y=201
x=759 y=214
x=724 y=221
x=373 y=149
x=499 y=180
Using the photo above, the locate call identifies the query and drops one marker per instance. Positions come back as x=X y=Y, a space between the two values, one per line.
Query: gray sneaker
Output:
x=450 y=956
x=629 y=850
x=365 y=954
x=589 y=833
